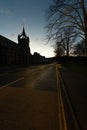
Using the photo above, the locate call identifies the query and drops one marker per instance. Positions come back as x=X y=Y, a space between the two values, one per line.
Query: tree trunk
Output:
x=85 y=24
x=67 y=50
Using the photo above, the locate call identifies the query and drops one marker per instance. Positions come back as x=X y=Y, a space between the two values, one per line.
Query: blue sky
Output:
x=30 y=13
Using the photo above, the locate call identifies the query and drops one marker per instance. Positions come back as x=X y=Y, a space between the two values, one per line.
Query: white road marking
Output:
x=12 y=82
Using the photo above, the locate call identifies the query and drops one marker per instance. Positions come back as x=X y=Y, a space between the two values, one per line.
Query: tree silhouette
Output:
x=79 y=48
x=65 y=14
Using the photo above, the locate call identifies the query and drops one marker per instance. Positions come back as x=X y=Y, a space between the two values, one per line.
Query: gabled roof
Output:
x=7 y=42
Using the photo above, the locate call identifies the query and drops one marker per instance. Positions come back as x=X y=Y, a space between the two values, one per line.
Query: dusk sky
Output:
x=30 y=13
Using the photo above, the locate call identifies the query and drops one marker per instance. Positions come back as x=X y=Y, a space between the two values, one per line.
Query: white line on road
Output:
x=12 y=82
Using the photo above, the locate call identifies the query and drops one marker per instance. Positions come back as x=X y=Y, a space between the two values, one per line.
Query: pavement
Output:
x=76 y=86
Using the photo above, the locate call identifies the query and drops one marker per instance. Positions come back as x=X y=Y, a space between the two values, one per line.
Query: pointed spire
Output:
x=23 y=32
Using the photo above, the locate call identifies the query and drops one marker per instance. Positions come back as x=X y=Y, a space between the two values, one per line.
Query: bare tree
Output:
x=66 y=14
x=59 y=50
x=67 y=40
x=64 y=42
x=79 y=49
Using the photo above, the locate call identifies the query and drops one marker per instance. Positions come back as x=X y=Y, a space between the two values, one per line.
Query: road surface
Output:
x=29 y=99
x=42 y=98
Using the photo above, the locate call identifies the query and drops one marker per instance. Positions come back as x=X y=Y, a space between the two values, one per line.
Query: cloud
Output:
x=5 y=11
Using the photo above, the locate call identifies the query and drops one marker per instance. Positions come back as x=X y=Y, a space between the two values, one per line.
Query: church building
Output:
x=15 y=53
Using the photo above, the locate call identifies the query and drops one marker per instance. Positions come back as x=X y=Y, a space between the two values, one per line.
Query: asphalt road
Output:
x=29 y=99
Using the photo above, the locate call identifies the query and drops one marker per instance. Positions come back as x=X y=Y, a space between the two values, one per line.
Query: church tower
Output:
x=23 y=43
x=23 y=39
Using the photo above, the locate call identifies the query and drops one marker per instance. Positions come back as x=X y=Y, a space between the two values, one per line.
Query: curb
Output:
x=61 y=111
x=62 y=88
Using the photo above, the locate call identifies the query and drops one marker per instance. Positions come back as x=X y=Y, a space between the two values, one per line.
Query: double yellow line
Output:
x=61 y=112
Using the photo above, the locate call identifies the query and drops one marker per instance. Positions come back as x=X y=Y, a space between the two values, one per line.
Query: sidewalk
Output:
x=76 y=86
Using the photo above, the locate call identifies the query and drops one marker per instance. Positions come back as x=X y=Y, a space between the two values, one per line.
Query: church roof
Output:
x=7 y=42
